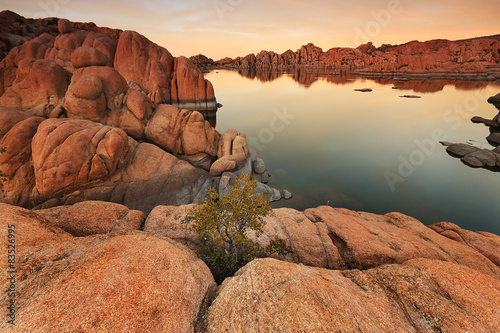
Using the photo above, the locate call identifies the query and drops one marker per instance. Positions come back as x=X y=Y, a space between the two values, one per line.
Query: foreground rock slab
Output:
x=129 y=282
x=338 y=238
x=88 y=218
x=420 y=295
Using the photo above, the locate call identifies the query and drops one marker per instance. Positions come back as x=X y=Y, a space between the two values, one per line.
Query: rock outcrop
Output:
x=477 y=58
x=63 y=161
x=138 y=61
x=421 y=295
x=337 y=238
x=476 y=157
x=93 y=218
x=386 y=273
x=93 y=113
x=125 y=282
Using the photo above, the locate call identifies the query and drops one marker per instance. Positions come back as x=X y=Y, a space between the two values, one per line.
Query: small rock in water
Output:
x=364 y=90
x=461 y=149
x=259 y=166
x=410 y=96
x=286 y=194
x=395 y=87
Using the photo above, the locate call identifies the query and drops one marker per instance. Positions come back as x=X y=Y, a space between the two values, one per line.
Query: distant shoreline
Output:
x=397 y=76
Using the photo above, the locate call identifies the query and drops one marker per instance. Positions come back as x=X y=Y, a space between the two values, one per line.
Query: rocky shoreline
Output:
x=475 y=59
x=84 y=113
x=476 y=157
x=103 y=153
x=99 y=266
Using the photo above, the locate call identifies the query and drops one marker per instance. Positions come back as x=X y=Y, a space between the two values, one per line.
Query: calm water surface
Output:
x=371 y=151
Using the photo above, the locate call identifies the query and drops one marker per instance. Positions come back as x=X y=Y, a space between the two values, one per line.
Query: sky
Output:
x=231 y=28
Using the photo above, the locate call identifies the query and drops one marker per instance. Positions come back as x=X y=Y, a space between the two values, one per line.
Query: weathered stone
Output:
x=166 y=221
x=50 y=80
x=480 y=158
x=88 y=56
x=227 y=181
x=93 y=217
x=17 y=163
x=259 y=166
x=126 y=282
x=420 y=295
x=486 y=243
x=88 y=99
x=337 y=238
x=64 y=26
x=226 y=163
x=69 y=154
x=461 y=149
x=494 y=139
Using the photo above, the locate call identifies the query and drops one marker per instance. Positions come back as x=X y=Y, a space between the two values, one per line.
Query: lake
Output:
x=367 y=151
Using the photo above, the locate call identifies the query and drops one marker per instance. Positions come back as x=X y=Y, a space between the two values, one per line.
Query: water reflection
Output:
x=308 y=76
x=337 y=144
x=304 y=76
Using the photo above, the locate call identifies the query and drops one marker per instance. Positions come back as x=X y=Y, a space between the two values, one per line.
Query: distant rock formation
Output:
x=350 y=271
x=96 y=113
x=475 y=59
x=481 y=157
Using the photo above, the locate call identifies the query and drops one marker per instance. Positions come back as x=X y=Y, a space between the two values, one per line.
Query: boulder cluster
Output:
x=481 y=157
x=96 y=113
x=101 y=267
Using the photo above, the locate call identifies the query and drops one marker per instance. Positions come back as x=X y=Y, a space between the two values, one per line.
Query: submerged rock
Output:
x=410 y=96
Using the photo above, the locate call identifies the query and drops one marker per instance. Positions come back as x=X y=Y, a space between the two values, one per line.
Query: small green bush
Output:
x=222 y=222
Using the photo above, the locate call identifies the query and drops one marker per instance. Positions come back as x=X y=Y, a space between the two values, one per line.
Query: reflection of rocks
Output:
x=476 y=157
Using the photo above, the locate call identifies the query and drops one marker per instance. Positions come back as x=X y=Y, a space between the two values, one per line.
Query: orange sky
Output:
x=219 y=28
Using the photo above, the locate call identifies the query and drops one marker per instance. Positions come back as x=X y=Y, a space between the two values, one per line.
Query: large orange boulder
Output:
x=127 y=282
x=88 y=56
x=421 y=295
x=39 y=87
x=190 y=135
x=486 y=243
x=145 y=63
x=93 y=217
x=69 y=154
x=64 y=161
x=164 y=78
x=190 y=90
x=17 y=162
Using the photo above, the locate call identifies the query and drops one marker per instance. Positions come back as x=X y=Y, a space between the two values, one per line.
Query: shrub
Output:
x=223 y=223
